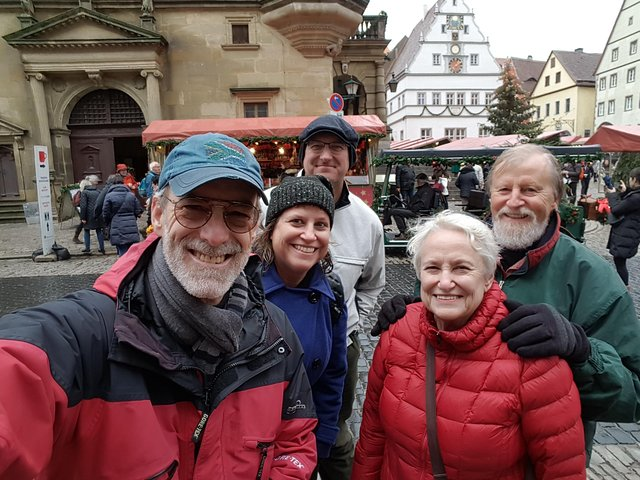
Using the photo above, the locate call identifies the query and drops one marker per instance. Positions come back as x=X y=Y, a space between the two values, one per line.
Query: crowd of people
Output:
x=112 y=210
x=226 y=343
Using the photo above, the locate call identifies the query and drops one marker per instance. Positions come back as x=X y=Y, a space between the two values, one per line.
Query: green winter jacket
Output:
x=585 y=288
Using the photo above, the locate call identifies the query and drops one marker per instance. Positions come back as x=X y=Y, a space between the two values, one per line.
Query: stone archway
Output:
x=105 y=129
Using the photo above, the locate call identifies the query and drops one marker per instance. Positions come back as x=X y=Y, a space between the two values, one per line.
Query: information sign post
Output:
x=44 y=198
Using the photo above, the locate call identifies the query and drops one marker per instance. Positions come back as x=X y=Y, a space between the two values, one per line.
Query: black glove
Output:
x=391 y=311
x=540 y=331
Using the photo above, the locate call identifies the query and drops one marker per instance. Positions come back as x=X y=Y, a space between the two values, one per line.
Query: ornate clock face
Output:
x=455 y=49
x=454 y=22
x=455 y=65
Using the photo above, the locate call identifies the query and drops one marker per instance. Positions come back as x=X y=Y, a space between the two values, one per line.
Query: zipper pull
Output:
x=500 y=284
x=197 y=433
x=199 y=428
x=264 y=447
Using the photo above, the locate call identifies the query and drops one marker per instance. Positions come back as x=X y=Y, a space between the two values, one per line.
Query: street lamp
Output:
x=351 y=86
x=393 y=83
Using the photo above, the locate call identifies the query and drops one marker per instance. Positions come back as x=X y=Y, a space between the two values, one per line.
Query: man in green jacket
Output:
x=566 y=300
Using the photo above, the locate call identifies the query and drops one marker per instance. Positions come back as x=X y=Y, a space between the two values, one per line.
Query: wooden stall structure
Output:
x=273 y=140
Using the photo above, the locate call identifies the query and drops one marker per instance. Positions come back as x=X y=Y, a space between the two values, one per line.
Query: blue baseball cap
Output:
x=206 y=157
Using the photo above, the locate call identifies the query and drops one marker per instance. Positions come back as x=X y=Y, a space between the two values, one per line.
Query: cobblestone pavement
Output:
x=23 y=282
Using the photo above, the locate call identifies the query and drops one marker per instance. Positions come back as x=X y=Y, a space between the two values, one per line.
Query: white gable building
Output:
x=445 y=75
x=618 y=74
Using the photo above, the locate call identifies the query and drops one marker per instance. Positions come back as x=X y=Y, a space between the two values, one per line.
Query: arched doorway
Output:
x=106 y=129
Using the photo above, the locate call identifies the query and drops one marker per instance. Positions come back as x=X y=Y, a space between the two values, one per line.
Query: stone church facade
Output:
x=84 y=78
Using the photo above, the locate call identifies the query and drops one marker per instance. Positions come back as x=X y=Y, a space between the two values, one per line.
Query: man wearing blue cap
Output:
x=328 y=148
x=173 y=365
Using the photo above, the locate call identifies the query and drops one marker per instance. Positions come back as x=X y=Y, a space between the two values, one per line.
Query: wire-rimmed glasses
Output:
x=195 y=212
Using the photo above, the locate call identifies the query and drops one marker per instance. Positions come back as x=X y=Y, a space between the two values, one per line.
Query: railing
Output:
x=372 y=28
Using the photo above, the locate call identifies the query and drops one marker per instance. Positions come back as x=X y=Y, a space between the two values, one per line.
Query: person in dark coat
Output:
x=422 y=201
x=467 y=181
x=405 y=179
x=571 y=173
x=116 y=178
x=588 y=172
x=624 y=237
x=120 y=211
x=90 y=221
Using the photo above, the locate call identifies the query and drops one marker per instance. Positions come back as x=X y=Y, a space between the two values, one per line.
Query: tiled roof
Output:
x=484 y=142
x=408 y=48
x=580 y=66
x=528 y=72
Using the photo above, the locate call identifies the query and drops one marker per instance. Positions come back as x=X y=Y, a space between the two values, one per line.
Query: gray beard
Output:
x=515 y=237
x=205 y=283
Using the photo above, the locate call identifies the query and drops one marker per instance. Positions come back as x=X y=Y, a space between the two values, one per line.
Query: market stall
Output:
x=617 y=138
x=273 y=140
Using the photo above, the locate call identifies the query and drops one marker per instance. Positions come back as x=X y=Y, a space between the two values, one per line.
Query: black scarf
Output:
x=210 y=331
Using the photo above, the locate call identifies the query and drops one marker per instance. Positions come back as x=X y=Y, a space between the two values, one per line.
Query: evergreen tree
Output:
x=510 y=111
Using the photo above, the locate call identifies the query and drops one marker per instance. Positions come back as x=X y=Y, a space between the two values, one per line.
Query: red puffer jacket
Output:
x=494 y=408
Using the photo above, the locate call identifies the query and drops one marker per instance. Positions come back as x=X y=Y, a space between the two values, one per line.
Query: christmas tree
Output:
x=510 y=111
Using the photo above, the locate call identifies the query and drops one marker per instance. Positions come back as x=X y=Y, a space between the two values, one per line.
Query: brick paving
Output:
x=22 y=282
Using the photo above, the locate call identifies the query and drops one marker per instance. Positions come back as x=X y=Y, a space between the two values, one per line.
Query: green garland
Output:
x=248 y=140
x=68 y=188
x=397 y=160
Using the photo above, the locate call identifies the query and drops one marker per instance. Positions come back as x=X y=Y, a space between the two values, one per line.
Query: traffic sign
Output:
x=336 y=102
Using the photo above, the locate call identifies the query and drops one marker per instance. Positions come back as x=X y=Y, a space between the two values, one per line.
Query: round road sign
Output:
x=336 y=102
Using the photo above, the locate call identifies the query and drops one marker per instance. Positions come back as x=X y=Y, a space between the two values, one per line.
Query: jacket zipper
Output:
x=197 y=433
x=264 y=448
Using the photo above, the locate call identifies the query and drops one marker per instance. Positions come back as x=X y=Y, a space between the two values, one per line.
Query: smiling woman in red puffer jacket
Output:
x=496 y=412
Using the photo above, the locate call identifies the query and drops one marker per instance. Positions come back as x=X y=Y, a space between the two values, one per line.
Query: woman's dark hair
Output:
x=263 y=247
x=114 y=179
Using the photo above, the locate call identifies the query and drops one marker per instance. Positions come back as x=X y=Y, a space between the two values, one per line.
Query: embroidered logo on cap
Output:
x=225 y=153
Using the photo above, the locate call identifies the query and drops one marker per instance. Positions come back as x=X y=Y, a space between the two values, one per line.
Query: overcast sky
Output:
x=518 y=28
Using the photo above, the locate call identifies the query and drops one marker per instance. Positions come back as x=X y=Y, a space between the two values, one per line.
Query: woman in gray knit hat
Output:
x=294 y=248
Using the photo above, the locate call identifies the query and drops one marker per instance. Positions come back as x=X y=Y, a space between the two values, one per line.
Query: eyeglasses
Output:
x=334 y=147
x=195 y=212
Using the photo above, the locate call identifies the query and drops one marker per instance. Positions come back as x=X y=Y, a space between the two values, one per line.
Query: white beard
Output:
x=512 y=236
x=204 y=283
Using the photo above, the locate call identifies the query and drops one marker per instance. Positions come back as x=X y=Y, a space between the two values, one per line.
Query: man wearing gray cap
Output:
x=328 y=148
x=173 y=365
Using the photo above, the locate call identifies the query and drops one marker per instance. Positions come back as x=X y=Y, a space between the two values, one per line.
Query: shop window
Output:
x=259 y=109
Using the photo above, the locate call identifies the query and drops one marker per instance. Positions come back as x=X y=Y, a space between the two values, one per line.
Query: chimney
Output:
x=579 y=50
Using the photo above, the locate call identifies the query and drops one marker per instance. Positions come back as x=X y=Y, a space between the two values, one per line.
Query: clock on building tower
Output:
x=455 y=65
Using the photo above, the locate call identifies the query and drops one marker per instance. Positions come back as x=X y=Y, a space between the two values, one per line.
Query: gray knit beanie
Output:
x=294 y=191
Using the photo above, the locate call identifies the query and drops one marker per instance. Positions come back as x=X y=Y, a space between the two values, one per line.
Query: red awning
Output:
x=484 y=142
x=554 y=134
x=617 y=138
x=270 y=127
x=414 y=143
